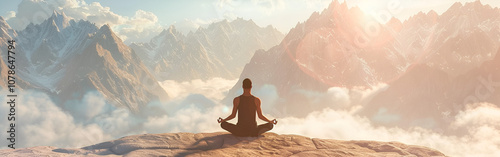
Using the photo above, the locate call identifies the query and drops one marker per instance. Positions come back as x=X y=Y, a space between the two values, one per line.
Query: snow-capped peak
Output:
x=59 y=19
x=3 y=23
x=218 y=50
x=106 y=30
x=5 y=29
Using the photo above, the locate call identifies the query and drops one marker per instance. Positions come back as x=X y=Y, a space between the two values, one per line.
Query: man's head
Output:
x=247 y=84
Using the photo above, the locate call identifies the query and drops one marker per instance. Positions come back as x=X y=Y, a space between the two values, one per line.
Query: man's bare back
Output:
x=247 y=105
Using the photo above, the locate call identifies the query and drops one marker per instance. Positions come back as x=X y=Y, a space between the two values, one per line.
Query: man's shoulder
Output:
x=257 y=99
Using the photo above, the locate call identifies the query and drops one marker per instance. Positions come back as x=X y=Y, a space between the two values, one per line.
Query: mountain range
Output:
x=433 y=64
x=68 y=58
x=220 y=50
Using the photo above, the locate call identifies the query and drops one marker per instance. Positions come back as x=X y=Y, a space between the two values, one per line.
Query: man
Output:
x=247 y=105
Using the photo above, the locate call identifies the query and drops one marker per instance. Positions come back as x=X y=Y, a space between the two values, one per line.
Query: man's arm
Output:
x=236 y=102
x=259 y=111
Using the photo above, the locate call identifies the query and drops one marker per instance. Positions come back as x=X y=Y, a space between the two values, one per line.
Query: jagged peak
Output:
x=356 y=10
x=241 y=20
x=422 y=17
x=163 y=32
x=218 y=24
x=60 y=20
x=108 y=33
x=337 y=5
x=172 y=29
x=459 y=9
x=394 y=20
x=418 y=15
x=56 y=13
x=105 y=28
x=477 y=5
x=3 y=23
x=333 y=4
x=456 y=5
x=170 y=32
x=432 y=13
x=223 y=21
x=59 y=16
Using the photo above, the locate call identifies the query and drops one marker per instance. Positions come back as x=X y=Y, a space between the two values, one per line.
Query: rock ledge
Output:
x=224 y=144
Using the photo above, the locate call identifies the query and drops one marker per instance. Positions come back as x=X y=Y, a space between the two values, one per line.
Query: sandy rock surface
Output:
x=224 y=144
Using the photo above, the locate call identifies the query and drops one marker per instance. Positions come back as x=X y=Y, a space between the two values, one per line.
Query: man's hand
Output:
x=220 y=120
x=274 y=121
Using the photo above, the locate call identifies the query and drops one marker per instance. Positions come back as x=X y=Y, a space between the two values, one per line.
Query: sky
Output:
x=139 y=21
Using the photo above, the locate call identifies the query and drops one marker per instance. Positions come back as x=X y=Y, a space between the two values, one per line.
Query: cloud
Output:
x=225 y=9
x=196 y=106
x=92 y=104
x=187 y=25
x=40 y=122
x=340 y=121
x=139 y=28
x=342 y=125
x=215 y=88
x=269 y=6
x=9 y=15
x=317 y=3
x=188 y=119
x=479 y=114
x=301 y=102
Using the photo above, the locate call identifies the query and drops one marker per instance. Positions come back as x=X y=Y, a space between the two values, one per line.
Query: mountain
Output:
x=220 y=50
x=431 y=62
x=417 y=98
x=6 y=34
x=460 y=39
x=455 y=66
x=223 y=144
x=67 y=59
x=331 y=48
x=430 y=97
x=4 y=37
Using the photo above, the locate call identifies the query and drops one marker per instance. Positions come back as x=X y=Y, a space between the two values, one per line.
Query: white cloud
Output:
x=317 y=3
x=40 y=122
x=139 y=28
x=186 y=25
x=9 y=15
x=479 y=114
x=94 y=104
x=482 y=139
x=215 y=88
x=269 y=6
x=481 y=123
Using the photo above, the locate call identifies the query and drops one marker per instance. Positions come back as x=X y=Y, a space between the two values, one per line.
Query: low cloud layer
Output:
x=196 y=106
x=39 y=122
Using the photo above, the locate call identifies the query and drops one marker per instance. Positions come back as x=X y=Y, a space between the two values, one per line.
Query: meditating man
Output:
x=247 y=107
